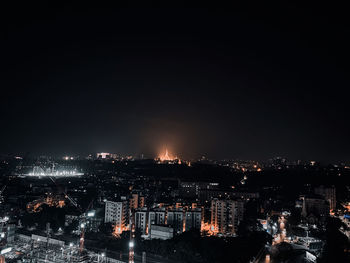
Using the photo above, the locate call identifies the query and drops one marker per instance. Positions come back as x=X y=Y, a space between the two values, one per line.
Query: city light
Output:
x=38 y=172
x=6 y=250
x=91 y=214
x=166 y=156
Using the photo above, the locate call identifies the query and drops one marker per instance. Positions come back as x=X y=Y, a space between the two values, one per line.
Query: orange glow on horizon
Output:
x=166 y=156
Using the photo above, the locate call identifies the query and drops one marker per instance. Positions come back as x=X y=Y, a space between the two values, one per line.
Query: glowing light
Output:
x=166 y=156
x=91 y=214
x=6 y=250
x=209 y=229
x=39 y=172
x=131 y=244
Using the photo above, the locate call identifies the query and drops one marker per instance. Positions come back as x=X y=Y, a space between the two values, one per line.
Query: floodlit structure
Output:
x=166 y=156
x=51 y=172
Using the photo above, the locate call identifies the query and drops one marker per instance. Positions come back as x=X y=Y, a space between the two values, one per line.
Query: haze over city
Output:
x=160 y=134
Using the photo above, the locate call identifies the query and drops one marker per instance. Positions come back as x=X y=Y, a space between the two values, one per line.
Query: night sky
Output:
x=248 y=82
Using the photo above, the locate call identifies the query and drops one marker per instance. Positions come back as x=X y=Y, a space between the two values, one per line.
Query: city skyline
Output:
x=160 y=134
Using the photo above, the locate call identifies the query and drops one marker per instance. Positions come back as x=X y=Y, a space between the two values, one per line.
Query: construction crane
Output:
x=84 y=219
x=132 y=237
x=1 y=192
x=2 y=189
x=83 y=226
x=67 y=196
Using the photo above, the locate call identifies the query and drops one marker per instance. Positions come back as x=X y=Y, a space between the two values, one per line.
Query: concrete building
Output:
x=161 y=232
x=157 y=216
x=193 y=219
x=137 y=201
x=134 y=201
x=141 y=220
x=116 y=213
x=226 y=215
x=175 y=219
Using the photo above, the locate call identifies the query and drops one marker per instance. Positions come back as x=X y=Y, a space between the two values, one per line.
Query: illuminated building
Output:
x=51 y=172
x=50 y=200
x=103 y=155
x=144 y=219
x=166 y=156
x=161 y=232
x=116 y=213
x=226 y=215
x=136 y=201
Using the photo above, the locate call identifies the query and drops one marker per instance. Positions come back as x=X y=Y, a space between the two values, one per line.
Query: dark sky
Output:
x=248 y=82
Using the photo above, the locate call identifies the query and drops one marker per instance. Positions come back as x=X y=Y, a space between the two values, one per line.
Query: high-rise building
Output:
x=226 y=215
x=141 y=220
x=134 y=201
x=141 y=201
x=116 y=213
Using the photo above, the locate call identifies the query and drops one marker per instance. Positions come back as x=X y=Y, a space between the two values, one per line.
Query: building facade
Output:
x=116 y=213
x=226 y=215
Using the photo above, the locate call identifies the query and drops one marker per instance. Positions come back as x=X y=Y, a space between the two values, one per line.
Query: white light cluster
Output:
x=64 y=173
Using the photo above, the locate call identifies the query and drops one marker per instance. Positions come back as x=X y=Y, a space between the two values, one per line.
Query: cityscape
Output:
x=155 y=134
x=106 y=207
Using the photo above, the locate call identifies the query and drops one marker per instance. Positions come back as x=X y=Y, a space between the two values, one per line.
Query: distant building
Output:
x=191 y=190
x=329 y=194
x=161 y=232
x=116 y=213
x=226 y=215
x=314 y=208
x=209 y=194
x=134 y=201
x=103 y=155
